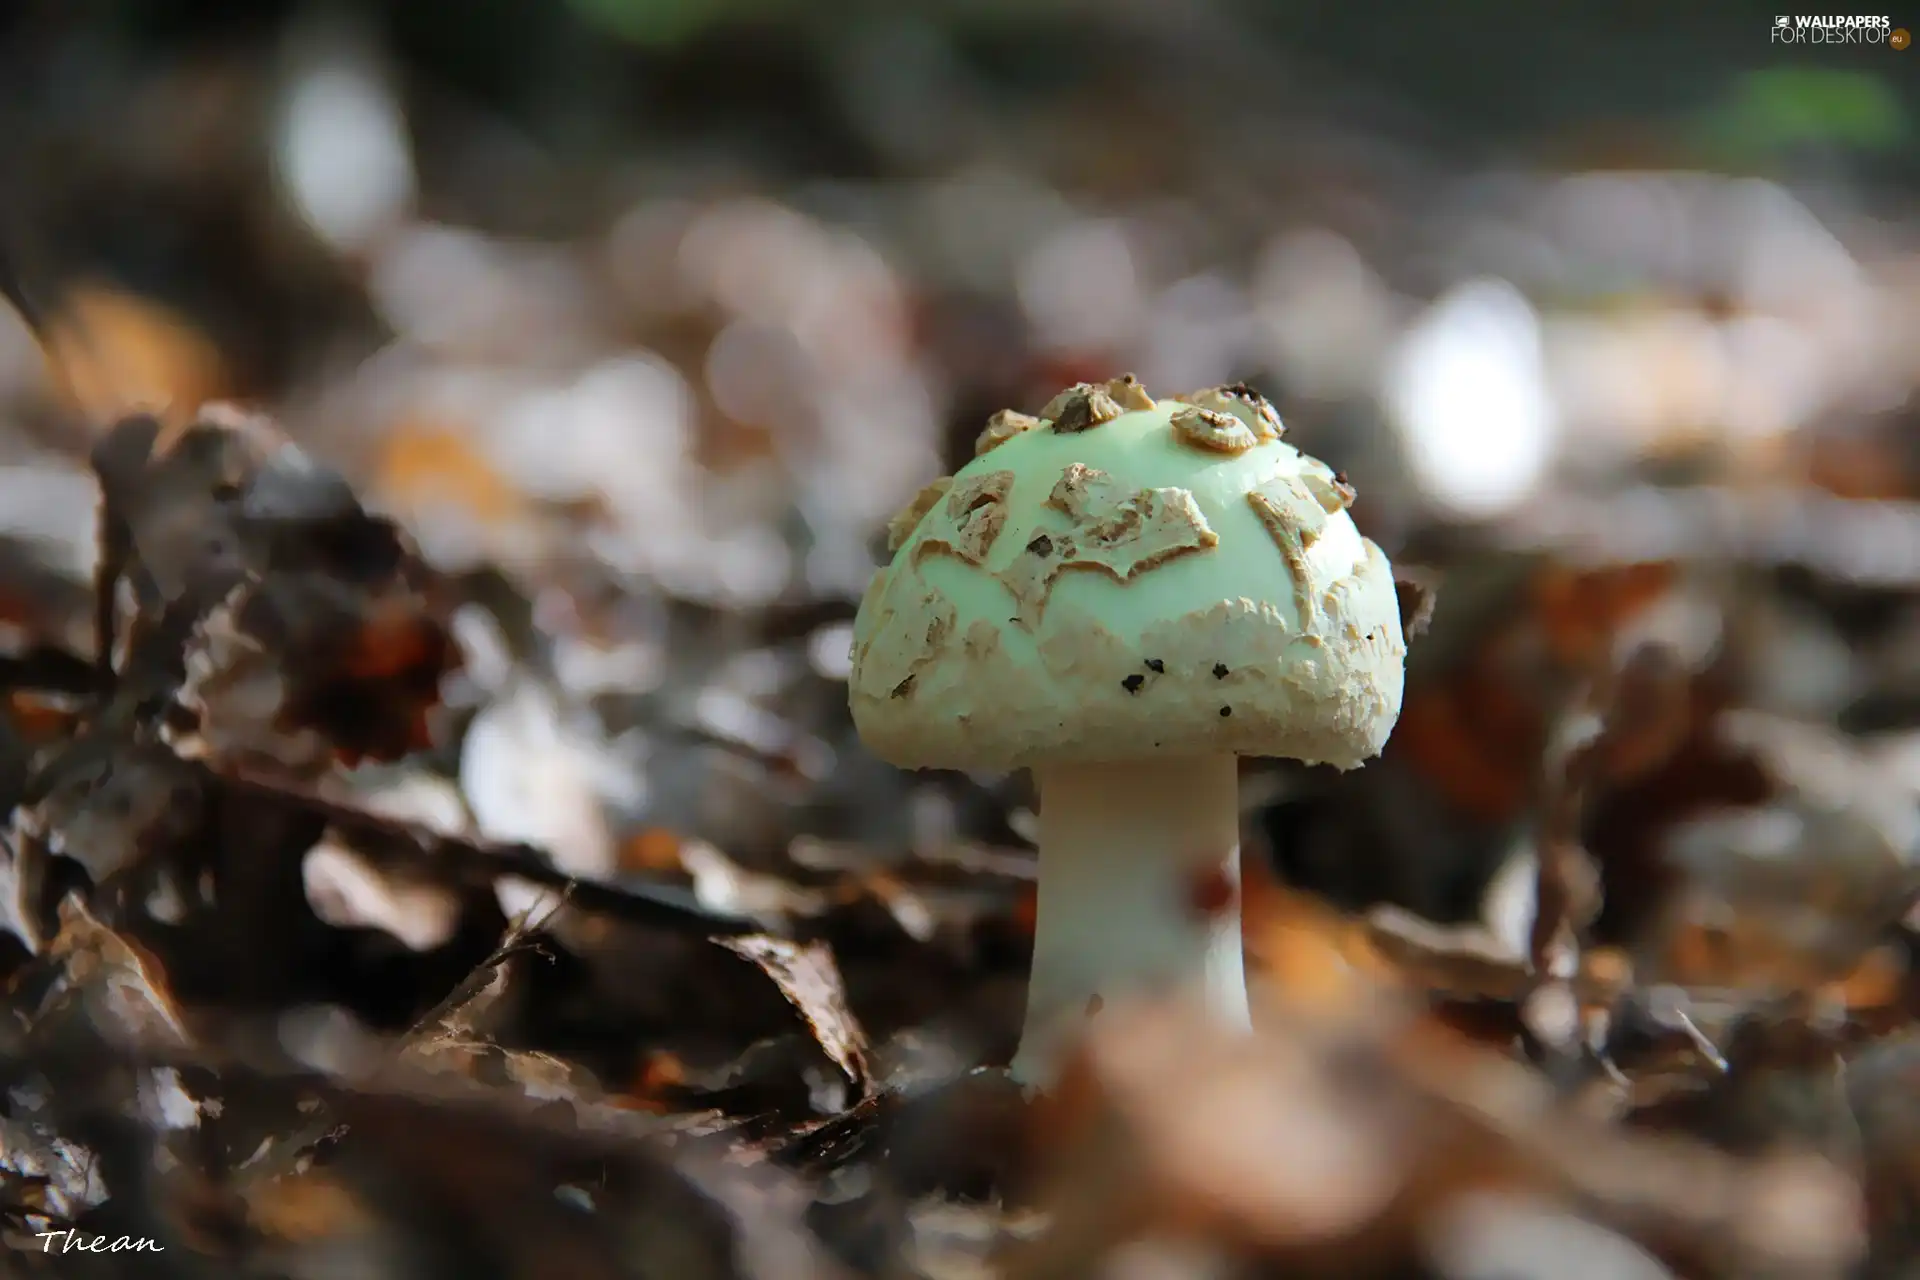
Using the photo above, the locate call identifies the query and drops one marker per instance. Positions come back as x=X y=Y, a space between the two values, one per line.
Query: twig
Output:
x=464 y=860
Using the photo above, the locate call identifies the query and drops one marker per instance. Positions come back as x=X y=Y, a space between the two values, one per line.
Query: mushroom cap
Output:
x=1115 y=583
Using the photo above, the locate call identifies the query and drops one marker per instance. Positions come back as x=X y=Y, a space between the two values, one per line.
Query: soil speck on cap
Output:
x=1219 y=671
x=1002 y=427
x=1133 y=682
x=1095 y=1004
x=1081 y=408
x=1214 y=430
x=901 y=527
x=1331 y=490
x=1118 y=533
x=1225 y=712
x=1128 y=392
x=1281 y=513
x=1242 y=402
x=1041 y=546
x=1156 y=666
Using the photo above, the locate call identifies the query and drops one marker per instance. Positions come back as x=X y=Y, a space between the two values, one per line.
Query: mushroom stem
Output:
x=1139 y=890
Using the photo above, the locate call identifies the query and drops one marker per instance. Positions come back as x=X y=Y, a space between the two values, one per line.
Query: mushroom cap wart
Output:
x=1111 y=583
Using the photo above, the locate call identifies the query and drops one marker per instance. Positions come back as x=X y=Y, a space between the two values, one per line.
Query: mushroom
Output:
x=1125 y=600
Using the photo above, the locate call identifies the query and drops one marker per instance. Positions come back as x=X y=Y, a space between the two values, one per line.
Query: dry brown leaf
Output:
x=1477 y=734
x=113 y=352
x=117 y=977
x=306 y=1207
x=810 y=980
x=1310 y=954
x=1165 y=1123
x=424 y=464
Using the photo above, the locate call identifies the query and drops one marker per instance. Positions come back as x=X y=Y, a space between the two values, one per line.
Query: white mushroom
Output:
x=1126 y=608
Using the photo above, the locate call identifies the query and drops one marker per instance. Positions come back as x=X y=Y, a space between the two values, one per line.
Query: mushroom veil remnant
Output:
x=1125 y=595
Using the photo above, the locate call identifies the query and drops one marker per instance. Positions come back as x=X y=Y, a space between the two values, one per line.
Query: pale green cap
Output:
x=1121 y=578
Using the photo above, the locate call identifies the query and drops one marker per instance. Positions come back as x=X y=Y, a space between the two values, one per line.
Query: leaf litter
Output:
x=497 y=887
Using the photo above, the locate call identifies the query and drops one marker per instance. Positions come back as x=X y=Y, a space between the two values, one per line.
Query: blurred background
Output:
x=645 y=315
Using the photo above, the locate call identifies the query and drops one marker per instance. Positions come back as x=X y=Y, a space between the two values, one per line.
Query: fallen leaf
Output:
x=810 y=980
